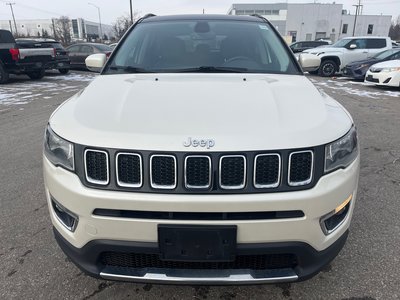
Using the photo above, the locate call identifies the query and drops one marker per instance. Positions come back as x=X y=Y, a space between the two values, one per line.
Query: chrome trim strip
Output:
x=232 y=187
x=132 y=185
x=265 y=186
x=331 y=214
x=304 y=182
x=204 y=276
x=157 y=186
x=67 y=211
x=100 y=182
x=188 y=186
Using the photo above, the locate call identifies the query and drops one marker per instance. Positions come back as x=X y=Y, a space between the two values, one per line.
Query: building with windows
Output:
x=314 y=21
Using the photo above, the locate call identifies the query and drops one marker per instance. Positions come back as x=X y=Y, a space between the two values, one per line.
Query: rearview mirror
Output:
x=352 y=46
x=309 y=62
x=96 y=62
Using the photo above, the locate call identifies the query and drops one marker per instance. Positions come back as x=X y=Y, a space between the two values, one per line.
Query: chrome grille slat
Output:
x=266 y=170
x=295 y=178
x=126 y=183
x=233 y=167
x=95 y=163
x=198 y=174
x=158 y=181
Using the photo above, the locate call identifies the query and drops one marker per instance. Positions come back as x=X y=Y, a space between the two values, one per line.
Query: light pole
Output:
x=98 y=10
x=130 y=2
x=12 y=12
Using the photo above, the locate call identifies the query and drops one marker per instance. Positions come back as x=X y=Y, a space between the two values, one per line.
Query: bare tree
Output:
x=122 y=24
x=394 y=31
x=62 y=27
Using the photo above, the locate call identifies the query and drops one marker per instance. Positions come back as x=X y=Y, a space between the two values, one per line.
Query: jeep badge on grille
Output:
x=208 y=143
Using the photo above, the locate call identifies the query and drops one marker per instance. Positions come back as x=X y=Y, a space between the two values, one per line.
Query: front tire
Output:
x=4 y=76
x=36 y=75
x=328 y=68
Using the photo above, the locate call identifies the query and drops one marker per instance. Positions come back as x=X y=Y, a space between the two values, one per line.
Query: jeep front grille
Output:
x=267 y=170
x=129 y=169
x=232 y=172
x=197 y=172
x=211 y=172
x=163 y=171
x=96 y=166
x=300 y=168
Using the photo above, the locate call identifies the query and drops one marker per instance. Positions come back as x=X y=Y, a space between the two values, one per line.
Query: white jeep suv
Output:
x=201 y=154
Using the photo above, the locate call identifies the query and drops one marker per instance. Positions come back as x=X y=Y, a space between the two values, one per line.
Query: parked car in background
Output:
x=358 y=69
x=27 y=59
x=61 y=61
x=305 y=45
x=347 y=50
x=78 y=52
x=112 y=46
x=385 y=73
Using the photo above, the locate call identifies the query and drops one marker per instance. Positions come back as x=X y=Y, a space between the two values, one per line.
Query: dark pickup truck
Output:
x=61 y=62
x=22 y=60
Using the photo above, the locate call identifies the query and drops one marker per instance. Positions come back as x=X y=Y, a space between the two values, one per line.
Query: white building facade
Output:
x=313 y=21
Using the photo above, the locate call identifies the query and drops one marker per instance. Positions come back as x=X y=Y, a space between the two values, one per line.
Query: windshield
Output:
x=341 y=43
x=386 y=53
x=202 y=46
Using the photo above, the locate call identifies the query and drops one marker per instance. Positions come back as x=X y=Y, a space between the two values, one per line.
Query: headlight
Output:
x=59 y=151
x=342 y=152
x=391 y=69
x=362 y=66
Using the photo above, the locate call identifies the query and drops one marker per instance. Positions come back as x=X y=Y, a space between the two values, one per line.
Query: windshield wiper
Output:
x=210 y=69
x=129 y=69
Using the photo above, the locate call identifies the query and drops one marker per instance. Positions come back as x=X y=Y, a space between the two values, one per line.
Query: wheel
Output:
x=4 y=76
x=36 y=75
x=63 y=71
x=327 y=68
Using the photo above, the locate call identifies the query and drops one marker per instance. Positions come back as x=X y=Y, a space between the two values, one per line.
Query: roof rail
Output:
x=261 y=17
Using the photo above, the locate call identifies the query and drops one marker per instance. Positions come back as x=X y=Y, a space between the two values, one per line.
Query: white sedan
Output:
x=385 y=73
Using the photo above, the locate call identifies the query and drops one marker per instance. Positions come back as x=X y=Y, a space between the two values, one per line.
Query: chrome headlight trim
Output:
x=58 y=151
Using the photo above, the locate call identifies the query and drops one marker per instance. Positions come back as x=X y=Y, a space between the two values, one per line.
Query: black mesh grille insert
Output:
x=198 y=171
x=96 y=166
x=129 y=169
x=232 y=172
x=300 y=167
x=267 y=170
x=252 y=262
x=163 y=171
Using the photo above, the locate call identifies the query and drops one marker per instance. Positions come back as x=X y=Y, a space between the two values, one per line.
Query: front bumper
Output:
x=383 y=78
x=310 y=262
x=58 y=64
x=356 y=73
x=303 y=236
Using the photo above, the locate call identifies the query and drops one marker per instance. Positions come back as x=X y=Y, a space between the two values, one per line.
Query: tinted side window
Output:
x=376 y=43
x=73 y=49
x=361 y=43
x=86 y=49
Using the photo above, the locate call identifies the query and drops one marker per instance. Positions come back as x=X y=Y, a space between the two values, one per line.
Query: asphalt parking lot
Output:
x=33 y=267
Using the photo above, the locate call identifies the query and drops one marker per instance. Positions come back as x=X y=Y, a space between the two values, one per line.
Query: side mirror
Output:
x=96 y=62
x=353 y=46
x=309 y=62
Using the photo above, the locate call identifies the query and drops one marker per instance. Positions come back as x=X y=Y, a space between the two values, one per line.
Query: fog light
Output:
x=66 y=217
x=335 y=218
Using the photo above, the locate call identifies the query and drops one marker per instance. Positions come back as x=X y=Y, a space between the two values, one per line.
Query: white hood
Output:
x=387 y=64
x=159 y=112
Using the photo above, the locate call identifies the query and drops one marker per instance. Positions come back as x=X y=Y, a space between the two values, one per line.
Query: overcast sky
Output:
x=111 y=9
